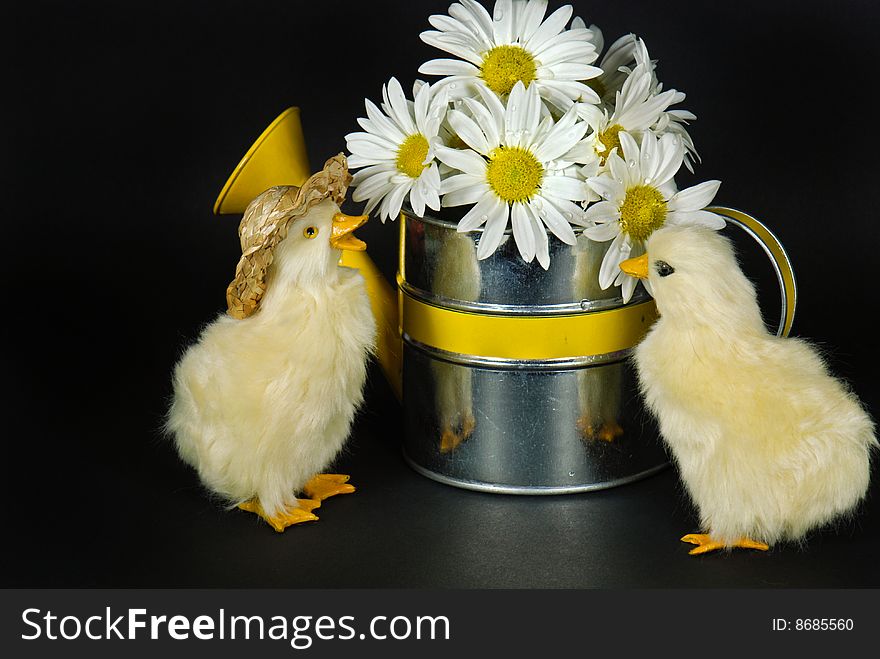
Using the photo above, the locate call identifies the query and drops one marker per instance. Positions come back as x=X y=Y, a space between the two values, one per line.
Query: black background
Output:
x=121 y=122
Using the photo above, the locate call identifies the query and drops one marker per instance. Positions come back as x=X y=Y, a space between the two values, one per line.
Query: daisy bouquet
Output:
x=535 y=130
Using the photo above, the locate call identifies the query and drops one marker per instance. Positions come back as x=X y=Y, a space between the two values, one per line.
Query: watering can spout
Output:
x=278 y=157
x=384 y=301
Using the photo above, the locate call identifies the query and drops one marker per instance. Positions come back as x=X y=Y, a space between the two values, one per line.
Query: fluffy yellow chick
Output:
x=768 y=443
x=265 y=399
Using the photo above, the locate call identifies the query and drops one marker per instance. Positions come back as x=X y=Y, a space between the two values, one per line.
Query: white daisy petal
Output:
x=696 y=218
x=561 y=52
x=417 y=200
x=371 y=186
x=370 y=150
x=554 y=220
x=571 y=211
x=618 y=168
x=448 y=67
x=695 y=197
x=477 y=13
x=465 y=160
x=391 y=204
x=436 y=111
x=522 y=231
x=469 y=195
x=375 y=192
x=551 y=27
x=470 y=133
x=372 y=203
x=572 y=71
x=449 y=24
x=643 y=115
x=542 y=243
x=553 y=95
x=582 y=152
x=485 y=121
x=355 y=161
x=399 y=108
x=387 y=127
x=609 y=269
x=494 y=105
x=607 y=187
x=602 y=211
x=565 y=187
x=594 y=116
x=502 y=22
x=602 y=232
x=562 y=137
x=632 y=158
x=371 y=140
x=627 y=288
x=670 y=156
x=531 y=18
x=649 y=160
x=493 y=232
x=430 y=179
x=459 y=182
x=420 y=107
x=368 y=172
x=477 y=216
x=458 y=47
x=522 y=115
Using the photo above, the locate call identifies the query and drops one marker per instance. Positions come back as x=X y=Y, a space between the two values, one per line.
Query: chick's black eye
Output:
x=663 y=268
x=310 y=232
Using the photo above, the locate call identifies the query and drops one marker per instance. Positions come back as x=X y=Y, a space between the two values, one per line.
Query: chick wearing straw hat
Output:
x=769 y=444
x=264 y=400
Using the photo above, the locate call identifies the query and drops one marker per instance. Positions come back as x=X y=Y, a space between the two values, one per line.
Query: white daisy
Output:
x=636 y=109
x=396 y=151
x=516 y=45
x=517 y=167
x=639 y=197
x=670 y=121
x=616 y=63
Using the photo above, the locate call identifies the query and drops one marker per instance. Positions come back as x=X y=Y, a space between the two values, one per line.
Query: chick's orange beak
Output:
x=637 y=267
x=342 y=237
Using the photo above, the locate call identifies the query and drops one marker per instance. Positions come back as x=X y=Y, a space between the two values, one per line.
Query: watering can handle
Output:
x=778 y=257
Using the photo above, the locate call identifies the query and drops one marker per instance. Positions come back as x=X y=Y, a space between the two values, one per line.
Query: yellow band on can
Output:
x=525 y=338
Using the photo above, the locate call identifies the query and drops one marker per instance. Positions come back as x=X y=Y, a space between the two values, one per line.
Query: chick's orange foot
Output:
x=323 y=486
x=293 y=515
x=705 y=543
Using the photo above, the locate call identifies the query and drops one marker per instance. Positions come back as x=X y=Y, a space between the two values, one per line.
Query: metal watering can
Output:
x=513 y=379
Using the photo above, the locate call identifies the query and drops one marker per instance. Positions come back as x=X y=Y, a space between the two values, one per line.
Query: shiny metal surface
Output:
x=517 y=364
x=517 y=427
x=526 y=431
x=440 y=266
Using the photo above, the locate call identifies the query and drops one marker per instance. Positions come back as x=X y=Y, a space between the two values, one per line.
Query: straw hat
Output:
x=265 y=224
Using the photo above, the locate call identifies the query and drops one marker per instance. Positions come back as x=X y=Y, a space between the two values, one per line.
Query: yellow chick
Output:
x=264 y=401
x=768 y=443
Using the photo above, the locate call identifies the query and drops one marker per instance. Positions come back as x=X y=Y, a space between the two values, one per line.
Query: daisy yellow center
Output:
x=643 y=212
x=412 y=154
x=610 y=138
x=514 y=174
x=504 y=66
